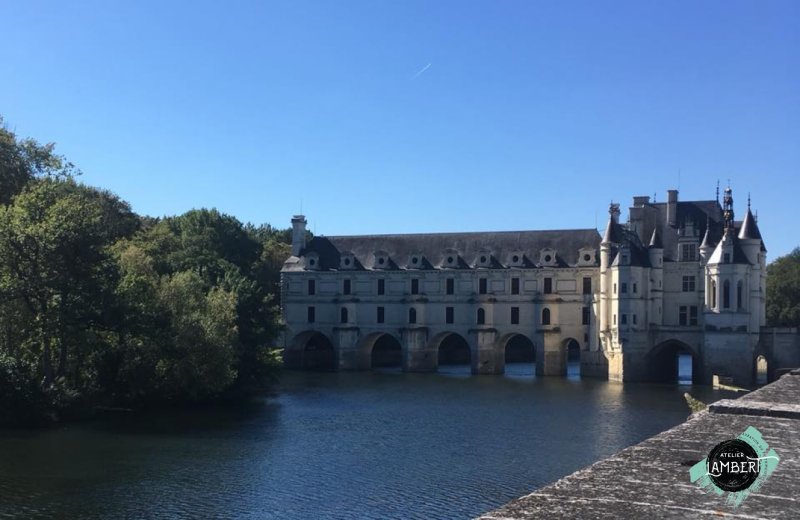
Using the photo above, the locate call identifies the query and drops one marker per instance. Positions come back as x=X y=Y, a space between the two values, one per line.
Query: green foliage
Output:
x=783 y=291
x=101 y=307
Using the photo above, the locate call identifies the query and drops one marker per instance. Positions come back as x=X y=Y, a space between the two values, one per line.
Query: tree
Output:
x=783 y=291
x=23 y=160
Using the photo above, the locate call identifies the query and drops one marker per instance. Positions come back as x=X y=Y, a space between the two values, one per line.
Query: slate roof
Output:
x=433 y=246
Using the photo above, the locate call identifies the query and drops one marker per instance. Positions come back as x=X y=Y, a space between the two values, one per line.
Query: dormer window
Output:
x=415 y=261
x=547 y=257
x=484 y=259
x=586 y=256
x=311 y=261
x=450 y=259
x=516 y=259
x=347 y=261
x=381 y=260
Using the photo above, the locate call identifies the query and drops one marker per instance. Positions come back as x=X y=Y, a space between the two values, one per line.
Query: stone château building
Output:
x=678 y=277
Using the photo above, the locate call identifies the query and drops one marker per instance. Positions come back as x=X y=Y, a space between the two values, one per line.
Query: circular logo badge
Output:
x=733 y=465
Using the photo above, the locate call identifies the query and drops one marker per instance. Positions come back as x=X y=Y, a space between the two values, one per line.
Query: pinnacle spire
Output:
x=655 y=240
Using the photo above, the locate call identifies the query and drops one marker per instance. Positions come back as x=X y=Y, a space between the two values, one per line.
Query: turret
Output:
x=750 y=237
x=298 y=234
x=655 y=252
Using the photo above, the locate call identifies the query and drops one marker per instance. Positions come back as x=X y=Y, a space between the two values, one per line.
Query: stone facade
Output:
x=678 y=277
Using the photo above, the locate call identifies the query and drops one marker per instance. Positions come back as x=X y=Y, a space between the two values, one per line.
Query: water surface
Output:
x=338 y=445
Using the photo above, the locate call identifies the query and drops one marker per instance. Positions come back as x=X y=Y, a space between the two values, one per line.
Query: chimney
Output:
x=298 y=234
x=672 y=208
x=641 y=200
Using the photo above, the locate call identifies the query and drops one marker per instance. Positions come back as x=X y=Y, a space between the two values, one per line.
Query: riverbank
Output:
x=651 y=479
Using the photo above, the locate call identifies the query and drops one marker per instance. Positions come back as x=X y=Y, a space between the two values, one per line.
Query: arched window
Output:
x=739 y=294
x=545 y=316
x=343 y=315
x=713 y=294
x=412 y=315
x=481 y=316
x=726 y=294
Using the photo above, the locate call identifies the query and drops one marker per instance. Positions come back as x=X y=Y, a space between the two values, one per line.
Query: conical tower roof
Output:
x=655 y=240
x=749 y=229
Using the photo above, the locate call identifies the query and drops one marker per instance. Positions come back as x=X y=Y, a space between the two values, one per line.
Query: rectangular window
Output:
x=515 y=315
x=688 y=284
x=448 y=314
x=415 y=286
x=450 y=286
x=615 y=319
x=587 y=285
x=312 y=287
x=585 y=316
x=312 y=314
x=623 y=288
x=482 y=286
x=615 y=288
x=726 y=258
x=548 y=286
x=683 y=315
x=515 y=286
x=688 y=252
x=635 y=288
x=693 y=315
x=381 y=315
x=624 y=319
x=381 y=286
x=346 y=287
x=634 y=319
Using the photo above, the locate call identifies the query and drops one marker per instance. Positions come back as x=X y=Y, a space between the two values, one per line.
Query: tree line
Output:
x=101 y=307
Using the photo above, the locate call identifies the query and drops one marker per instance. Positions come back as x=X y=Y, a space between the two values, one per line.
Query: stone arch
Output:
x=517 y=348
x=571 y=349
x=761 y=368
x=381 y=349
x=451 y=349
x=310 y=350
x=662 y=362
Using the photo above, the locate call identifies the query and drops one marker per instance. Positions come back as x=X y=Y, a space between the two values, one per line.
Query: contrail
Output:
x=423 y=69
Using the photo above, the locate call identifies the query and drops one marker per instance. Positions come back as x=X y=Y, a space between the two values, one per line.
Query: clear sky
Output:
x=406 y=116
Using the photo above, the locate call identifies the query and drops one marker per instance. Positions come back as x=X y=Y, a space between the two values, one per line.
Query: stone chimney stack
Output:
x=672 y=208
x=298 y=234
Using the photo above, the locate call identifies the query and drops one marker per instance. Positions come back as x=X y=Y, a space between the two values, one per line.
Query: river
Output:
x=337 y=445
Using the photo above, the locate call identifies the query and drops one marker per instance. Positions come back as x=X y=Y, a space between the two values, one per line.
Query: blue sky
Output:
x=389 y=117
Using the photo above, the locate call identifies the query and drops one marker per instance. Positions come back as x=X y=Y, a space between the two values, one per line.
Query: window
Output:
x=635 y=288
x=381 y=314
x=585 y=316
x=481 y=319
x=587 y=285
x=615 y=288
x=312 y=287
x=683 y=315
x=623 y=288
x=412 y=315
x=450 y=285
x=726 y=258
x=739 y=294
x=515 y=315
x=615 y=319
x=482 y=285
x=548 y=286
x=693 y=315
x=448 y=315
x=381 y=286
x=688 y=284
x=343 y=315
x=415 y=286
x=346 y=287
x=312 y=314
x=624 y=319
x=688 y=252
x=726 y=294
x=634 y=319
x=713 y=294
x=545 y=316
x=515 y=286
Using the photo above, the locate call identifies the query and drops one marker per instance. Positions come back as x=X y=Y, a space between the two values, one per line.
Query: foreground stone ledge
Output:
x=651 y=479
